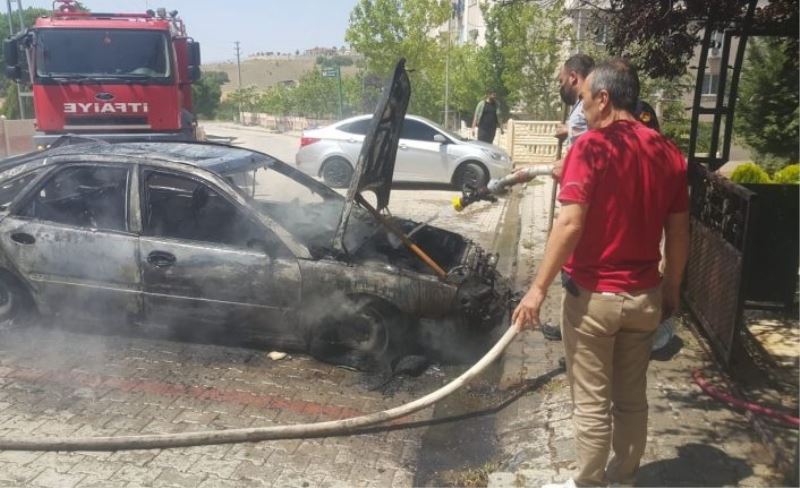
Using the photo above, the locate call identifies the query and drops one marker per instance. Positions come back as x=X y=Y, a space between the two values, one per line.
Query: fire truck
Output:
x=112 y=76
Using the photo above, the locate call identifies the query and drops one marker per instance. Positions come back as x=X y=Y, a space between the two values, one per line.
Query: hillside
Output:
x=265 y=72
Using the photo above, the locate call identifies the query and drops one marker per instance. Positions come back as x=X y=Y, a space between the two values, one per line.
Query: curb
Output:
x=527 y=431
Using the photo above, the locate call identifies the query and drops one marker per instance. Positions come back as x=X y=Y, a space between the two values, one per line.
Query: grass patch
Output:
x=475 y=477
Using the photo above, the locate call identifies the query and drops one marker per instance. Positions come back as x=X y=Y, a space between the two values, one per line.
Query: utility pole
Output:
x=239 y=63
x=446 y=122
x=239 y=71
x=339 y=83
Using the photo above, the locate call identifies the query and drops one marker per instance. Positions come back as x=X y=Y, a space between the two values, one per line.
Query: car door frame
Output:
x=127 y=293
x=419 y=156
x=285 y=265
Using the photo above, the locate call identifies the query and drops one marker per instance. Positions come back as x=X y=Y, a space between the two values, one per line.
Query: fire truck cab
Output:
x=114 y=76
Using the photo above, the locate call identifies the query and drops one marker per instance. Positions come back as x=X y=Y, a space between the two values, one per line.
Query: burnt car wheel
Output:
x=367 y=334
x=337 y=172
x=14 y=303
x=471 y=174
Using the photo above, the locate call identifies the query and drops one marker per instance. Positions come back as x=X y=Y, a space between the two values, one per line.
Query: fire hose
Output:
x=256 y=434
x=731 y=400
x=499 y=187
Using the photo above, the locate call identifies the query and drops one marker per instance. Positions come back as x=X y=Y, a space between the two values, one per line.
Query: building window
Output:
x=710 y=84
x=716 y=44
x=600 y=33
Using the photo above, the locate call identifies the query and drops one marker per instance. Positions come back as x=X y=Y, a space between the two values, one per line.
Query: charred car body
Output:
x=210 y=239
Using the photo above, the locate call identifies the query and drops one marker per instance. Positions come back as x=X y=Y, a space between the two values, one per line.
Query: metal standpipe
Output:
x=256 y=434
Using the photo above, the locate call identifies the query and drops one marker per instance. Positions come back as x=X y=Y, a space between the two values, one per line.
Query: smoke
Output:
x=217 y=293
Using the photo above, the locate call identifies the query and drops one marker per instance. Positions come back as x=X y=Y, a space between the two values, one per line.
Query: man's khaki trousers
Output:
x=607 y=338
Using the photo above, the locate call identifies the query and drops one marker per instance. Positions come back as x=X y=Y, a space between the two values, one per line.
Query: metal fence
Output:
x=526 y=141
x=282 y=123
x=722 y=216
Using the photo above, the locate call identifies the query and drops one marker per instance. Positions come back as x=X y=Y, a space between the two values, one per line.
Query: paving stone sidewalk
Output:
x=692 y=439
x=77 y=381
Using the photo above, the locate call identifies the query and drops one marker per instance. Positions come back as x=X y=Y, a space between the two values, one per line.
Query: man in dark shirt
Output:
x=487 y=117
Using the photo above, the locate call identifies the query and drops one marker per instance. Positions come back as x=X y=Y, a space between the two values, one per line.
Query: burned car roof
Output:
x=219 y=158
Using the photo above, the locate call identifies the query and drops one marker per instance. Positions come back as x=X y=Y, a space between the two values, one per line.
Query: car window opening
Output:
x=182 y=208
x=93 y=197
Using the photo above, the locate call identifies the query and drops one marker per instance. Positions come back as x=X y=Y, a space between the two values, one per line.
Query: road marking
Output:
x=75 y=378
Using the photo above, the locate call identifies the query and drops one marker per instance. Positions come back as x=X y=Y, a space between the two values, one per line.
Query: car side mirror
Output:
x=11 y=56
x=194 y=61
x=11 y=52
x=194 y=73
x=13 y=72
x=440 y=139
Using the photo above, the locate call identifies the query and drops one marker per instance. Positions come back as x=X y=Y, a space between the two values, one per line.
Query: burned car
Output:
x=215 y=240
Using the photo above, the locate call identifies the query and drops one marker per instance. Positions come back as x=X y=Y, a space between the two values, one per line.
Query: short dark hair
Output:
x=619 y=79
x=583 y=64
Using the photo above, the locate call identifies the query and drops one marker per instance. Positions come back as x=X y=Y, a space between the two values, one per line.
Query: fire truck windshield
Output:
x=87 y=54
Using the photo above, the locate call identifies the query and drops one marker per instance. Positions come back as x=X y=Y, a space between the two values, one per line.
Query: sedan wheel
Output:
x=471 y=174
x=337 y=173
x=363 y=335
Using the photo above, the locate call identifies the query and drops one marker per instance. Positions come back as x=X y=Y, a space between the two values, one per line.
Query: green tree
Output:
x=661 y=36
x=207 y=93
x=383 y=31
x=523 y=53
x=10 y=108
x=315 y=96
x=276 y=100
x=767 y=112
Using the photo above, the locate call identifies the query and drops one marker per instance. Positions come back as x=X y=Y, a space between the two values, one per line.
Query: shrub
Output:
x=750 y=173
x=790 y=174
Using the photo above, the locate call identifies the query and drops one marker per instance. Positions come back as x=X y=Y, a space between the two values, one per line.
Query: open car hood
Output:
x=375 y=167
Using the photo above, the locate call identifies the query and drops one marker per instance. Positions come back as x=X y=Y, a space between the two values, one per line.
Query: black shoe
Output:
x=551 y=332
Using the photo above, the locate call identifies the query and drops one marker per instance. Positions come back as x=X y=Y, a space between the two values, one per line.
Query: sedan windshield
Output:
x=442 y=129
x=308 y=212
x=93 y=53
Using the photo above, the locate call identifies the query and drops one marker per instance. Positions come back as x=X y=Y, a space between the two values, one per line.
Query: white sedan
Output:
x=427 y=153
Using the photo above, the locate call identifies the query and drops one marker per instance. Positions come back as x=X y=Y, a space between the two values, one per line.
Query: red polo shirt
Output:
x=631 y=177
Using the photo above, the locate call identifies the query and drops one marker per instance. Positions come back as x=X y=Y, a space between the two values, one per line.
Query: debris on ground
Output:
x=277 y=356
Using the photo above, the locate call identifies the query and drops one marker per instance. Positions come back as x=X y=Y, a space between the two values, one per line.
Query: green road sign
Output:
x=330 y=73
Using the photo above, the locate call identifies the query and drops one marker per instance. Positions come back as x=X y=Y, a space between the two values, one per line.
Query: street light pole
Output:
x=339 y=82
x=239 y=71
x=239 y=63
x=447 y=70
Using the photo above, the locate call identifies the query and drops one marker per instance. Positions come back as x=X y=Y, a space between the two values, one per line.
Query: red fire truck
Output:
x=113 y=76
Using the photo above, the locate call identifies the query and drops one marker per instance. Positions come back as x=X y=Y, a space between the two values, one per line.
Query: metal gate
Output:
x=721 y=215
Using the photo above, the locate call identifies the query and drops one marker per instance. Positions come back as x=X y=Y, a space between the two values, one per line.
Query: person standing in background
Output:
x=487 y=117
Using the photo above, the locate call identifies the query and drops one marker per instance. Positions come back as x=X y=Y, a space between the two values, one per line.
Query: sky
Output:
x=259 y=25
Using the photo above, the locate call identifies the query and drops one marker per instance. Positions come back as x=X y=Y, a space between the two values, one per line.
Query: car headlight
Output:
x=497 y=156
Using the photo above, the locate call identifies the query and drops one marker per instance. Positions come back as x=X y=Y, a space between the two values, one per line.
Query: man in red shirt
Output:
x=623 y=185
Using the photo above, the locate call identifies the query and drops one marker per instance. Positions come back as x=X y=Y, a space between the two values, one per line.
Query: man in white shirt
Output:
x=571 y=78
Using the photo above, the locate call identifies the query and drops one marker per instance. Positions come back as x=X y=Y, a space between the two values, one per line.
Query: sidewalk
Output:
x=692 y=439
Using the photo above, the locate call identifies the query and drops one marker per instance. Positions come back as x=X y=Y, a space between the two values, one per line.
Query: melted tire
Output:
x=366 y=334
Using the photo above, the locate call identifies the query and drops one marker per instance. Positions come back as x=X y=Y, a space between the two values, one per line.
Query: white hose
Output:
x=255 y=434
